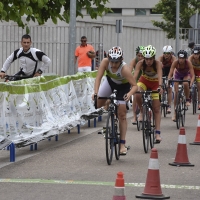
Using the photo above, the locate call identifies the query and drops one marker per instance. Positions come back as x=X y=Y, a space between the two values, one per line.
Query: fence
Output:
x=53 y=40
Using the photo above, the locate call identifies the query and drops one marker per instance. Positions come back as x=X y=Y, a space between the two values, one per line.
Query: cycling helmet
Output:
x=167 y=49
x=182 y=54
x=115 y=54
x=149 y=51
x=196 y=50
x=139 y=49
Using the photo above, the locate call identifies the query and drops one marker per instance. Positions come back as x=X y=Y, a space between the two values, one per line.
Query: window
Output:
x=140 y=11
x=116 y=11
x=152 y=12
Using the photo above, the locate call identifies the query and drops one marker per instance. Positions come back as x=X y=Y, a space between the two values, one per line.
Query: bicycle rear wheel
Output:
x=109 y=137
x=194 y=100
x=164 y=104
x=117 y=140
x=146 y=129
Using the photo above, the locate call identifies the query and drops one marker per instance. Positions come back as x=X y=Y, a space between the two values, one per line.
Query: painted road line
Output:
x=72 y=182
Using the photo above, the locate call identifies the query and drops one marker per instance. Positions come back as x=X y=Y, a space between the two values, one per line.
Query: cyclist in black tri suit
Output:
x=32 y=61
x=132 y=65
x=167 y=59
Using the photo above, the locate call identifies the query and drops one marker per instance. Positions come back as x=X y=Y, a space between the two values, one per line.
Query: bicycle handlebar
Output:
x=148 y=92
x=179 y=81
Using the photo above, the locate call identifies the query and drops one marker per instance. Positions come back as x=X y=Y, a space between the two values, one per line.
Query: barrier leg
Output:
x=12 y=152
x=8 y=148
x=56 y=138
x=35 y=146
x=68 y=131
x=31 y=147
x=78 y=127
x=95 y=122
x=99 y=118
x=88 y=123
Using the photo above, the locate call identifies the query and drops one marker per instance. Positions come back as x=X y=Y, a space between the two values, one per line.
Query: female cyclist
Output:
x=120 y=78
x=167 y=59
x=132 y=65
x=182 y=70
x=195 y=60
x=151 y=79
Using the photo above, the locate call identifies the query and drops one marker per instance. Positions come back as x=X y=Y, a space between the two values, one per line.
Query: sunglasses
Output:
x=83 y=40
x=167 y=53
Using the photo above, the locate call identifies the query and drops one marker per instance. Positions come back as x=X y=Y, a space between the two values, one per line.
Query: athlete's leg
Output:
x=134 y=105
x=157 y=115
x=122 y=126
x=187 y=91
x=175 y=94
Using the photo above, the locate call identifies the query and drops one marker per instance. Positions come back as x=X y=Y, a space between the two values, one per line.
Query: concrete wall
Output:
x=54 y=41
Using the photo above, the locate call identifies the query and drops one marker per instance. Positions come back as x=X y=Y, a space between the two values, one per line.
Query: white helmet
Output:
x=115 y=54
x=167 y=49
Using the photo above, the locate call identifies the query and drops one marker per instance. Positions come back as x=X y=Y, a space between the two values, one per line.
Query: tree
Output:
x=41 y=10
x=168 y=9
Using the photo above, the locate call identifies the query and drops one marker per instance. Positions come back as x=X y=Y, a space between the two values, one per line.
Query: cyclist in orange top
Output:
x=151 y=79
x=167 y=59
x=195 y=60
x=132 y=65
x=182 y=69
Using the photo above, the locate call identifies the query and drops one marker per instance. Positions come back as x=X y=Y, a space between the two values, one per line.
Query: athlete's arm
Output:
x=159 y=72
x=137 y=69
x=190 y=58
x=192 y=75
x=9 y=60
x=126 y=73
x=173 y=66
x=43 y=58
x=160 y=58
x=102 y=68
x=132 y=64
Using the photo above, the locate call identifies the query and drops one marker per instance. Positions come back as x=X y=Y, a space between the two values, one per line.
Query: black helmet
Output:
x=182 y=54
x=196 y=50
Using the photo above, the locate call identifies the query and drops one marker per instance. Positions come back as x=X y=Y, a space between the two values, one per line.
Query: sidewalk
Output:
x=64 y=138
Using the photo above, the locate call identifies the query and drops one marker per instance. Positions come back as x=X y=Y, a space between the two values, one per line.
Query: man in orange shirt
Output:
x=85 y=53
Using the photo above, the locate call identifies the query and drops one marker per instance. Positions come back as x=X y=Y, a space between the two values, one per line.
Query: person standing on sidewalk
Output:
x=84 y=53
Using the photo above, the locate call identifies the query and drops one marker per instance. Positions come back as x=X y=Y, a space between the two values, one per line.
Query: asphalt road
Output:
x=74 y=167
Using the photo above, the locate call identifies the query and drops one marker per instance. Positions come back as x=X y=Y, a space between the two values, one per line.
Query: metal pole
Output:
x=72 y=38
x=177 y=24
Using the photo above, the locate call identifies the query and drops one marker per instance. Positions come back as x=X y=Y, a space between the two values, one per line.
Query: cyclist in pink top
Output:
x=85 y=53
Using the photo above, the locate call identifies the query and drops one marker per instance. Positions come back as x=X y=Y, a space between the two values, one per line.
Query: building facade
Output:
x=134 y=13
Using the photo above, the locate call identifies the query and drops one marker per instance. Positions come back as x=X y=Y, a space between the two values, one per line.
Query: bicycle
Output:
x=194 y=96
x=148 y=120
x=164 y=97
x=112 y=136
x=180 y=107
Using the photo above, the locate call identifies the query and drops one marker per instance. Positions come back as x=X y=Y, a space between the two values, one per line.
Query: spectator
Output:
x=97 y=59
x=190 y=48
x=85 y=53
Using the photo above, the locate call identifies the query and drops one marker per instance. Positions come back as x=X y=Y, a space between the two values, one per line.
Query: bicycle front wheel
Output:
x=117 y=140
x=152 y=134
x=146 y=129
x=183 y=109
x=178 y=112
x=109 y=137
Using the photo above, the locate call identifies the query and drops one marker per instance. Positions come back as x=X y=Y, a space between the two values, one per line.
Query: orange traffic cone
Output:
x=197 y=138
x=119 y=187
x=152 y=188
x=181 y=158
